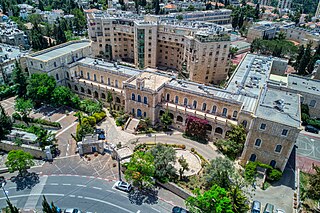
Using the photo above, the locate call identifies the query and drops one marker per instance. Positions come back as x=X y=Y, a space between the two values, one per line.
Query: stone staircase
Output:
x=131 y=125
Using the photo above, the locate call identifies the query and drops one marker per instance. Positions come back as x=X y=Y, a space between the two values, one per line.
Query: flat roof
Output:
x=304 y=84
x=151 y=80
x=58 y=51
x=279 y=106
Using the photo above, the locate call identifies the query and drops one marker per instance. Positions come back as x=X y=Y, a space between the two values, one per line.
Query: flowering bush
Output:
x=196 y=127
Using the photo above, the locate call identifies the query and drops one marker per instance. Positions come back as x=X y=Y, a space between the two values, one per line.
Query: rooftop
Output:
x=60 y=50
x=152 y=81
x=304 y=84
x=108 y=66
x=8 y=52
x=279 y=106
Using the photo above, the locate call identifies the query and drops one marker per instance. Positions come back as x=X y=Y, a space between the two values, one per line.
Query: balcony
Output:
x=199 y=114
x=96 y=84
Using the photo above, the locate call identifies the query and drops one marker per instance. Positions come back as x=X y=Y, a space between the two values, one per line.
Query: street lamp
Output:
x=4 y=191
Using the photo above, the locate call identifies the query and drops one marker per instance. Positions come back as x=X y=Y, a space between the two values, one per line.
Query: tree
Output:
x=156 y=7
x=40 y=5
x=140 y=169
x=5 y=122
x=24 y=107
x=59 y=34
x=47 y=208
x=233 y=51
x=299 y=57
x=164 y=158
x=220 y=171
x=20 y=79
x=110 y=99
x=40 y=87
x=79 y=21
x=184 y=166
x=305 y=60
x=214 y=200
x=166 y=120
x=12 y=208
x=314 y=183
x=19 y=160
x=257 y=11
x=238 y=200
x=208 y=6
x=61 y=95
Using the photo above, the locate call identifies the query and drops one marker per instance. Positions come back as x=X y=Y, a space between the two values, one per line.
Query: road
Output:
x=86 y=193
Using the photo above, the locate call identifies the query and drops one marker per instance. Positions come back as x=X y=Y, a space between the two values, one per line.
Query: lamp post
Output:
x=4 y=191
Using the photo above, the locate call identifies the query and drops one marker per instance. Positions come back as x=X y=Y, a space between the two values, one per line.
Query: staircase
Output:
x=132 y=125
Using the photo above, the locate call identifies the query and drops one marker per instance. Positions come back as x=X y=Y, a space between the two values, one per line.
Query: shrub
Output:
x=16 y=116
x=275 y=175
x=96 y=154
x=45 y=122
x=314 y=122
x=250 y=171
x=183 y=146
x=99 y=116
x=192 y=149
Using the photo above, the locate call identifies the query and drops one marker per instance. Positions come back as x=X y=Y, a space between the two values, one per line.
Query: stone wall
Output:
x=176 y=190
x=34 y=151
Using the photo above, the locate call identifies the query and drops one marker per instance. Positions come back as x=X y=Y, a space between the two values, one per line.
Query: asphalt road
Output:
x=87 y=194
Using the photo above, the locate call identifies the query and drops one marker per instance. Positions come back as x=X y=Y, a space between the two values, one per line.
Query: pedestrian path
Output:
x=37 y=191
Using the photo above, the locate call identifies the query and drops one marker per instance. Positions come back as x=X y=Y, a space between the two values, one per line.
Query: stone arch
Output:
x=118 y=100
x=89 y=92
x=69 y=85
x=161 y=112
x=179 y=119
x=171 y=115
x=209 y=127
x=96 y=95
x=219 y=130
x=82 y=89
x=253 y=157
x=75 y=88
x=103 y=96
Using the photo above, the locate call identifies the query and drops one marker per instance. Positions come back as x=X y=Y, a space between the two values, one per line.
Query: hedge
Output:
x=251 y=170
x=45 y=122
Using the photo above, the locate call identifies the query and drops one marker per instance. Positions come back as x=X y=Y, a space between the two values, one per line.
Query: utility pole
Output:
x=119 y=170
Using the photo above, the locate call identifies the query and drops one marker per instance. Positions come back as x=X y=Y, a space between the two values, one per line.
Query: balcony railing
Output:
x=99 y=85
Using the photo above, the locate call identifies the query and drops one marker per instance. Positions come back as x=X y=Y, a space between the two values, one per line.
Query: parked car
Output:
x=71 y=210
x=123 y=186
x=268 y=208
x=99 y=131
x=312 y=129
x=101 y=136
x=256 y=206
x=280 y=211
x=178 y=209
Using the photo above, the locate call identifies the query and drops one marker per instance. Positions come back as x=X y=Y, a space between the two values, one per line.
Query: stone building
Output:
x=197 y=49
x=262 y=32
x=301 y=35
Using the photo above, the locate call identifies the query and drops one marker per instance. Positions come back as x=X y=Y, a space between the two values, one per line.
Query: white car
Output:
x=280 y=211
x=69 y=210
x=123 y=186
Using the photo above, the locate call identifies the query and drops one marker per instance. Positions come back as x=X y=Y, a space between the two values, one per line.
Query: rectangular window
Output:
x=263 y=126
x=101 y=79
x=284 y=132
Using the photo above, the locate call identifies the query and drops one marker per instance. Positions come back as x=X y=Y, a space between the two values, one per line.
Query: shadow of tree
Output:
x=27 y=180
x=147 y=196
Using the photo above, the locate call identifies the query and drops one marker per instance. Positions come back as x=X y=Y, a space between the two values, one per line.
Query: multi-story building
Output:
x=8 y=57
x=301 y=35
x=263 y=110
x=284 y=4
x=262 y=31
x=11 y=35
x=200 y=49
x=317 y=15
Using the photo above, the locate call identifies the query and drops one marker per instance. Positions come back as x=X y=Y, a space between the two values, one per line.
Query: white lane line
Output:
x=28 y=195
x=66 y=184
x=108 y=203
x=72 y=196
x=54 y=184
x=37 y=189
x=81 y=185
x=110 y=191
x=62 y=117
x=97 y=188
x=66 y=129
x=155 y=209
x=80 y=197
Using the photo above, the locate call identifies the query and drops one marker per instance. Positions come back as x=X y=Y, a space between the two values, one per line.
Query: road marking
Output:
x=69 y=156
x=97 y=188
x=66 y=129
x=108 y=203
x=110 y=191
x=138 y=211
x=28 y=195
x=81 y=185
x=62 y=117
x=155 y=209
x=80 y=197
x=66 y=184
x=54 y=184
x=72 y=196
x=37 y=189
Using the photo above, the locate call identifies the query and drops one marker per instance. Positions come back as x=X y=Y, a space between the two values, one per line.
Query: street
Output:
x=86 y=193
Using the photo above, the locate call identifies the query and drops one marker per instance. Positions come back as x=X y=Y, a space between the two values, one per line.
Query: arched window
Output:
x=67 y=74
x=253 y=158
x=89 y=91
x=273 y=163
x=88 y=75
x=179 y=119
x=57 y=77
x=219 y=130
x=185 y=101
x=258 y=142
x=168 y=97
x=235 y=114
x=94 y=77
x=145 y=100
x=75 y=88
x=139 y=113
x=244 y=123
x=133 y=97
x=103 y=96
x=312 y=103
x=194 y=105
x=69 y=85
x=176 y=100
x=116 y=83
x=82 y=89
x=118 y=100
x=224 y=112
x=214 y=109
x=96 y=95
x=144 y=114
x=208 y=127
x=278 y=148
x=109 y=81
x=81 y=73
x=101 y=79
x=204 y=107
x=139 y=98
x=132 y=111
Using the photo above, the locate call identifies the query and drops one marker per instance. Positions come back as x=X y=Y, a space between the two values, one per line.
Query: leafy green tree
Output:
x=61 y=95
x=229 y=147
x=11 y=208
x=164 y=158
x=214 y=200
x=59 y=34
x=38 y=41
x=24 y=107
x=237 y=134
x=305 y=60
x=156 y=7
x=299 y=56
x=184 y=166
x=40 y=87
x=47 y=208
x=110 y=99
x=220 y=171
x=79 y=21
x=166 y=120
x=140 y=169
x=314 y=183
x=238 y=200
x=90 y=106
x=257 y=11
x=19 y=160
x=20 y=79
x=5 y=122
x=40 y=5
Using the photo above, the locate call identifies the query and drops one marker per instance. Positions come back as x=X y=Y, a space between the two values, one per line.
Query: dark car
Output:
x=178 y=209
x=312 y=129
x=99 y=131
x=256 y=207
